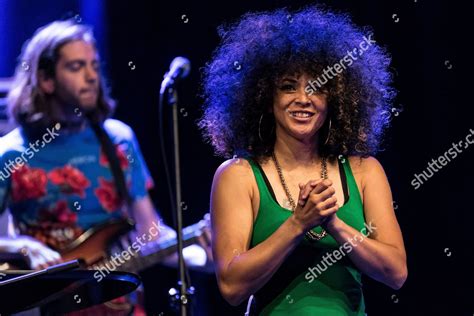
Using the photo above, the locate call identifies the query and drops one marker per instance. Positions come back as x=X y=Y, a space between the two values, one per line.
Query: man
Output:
x=59 y=173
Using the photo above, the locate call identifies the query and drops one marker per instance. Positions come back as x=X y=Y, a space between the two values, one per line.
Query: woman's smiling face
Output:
x=297 y=113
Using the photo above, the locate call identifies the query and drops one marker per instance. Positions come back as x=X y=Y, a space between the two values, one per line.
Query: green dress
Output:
x=313 y=280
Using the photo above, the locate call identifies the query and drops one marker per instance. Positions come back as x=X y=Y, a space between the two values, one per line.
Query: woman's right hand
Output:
x=37 y=254
x=316 y=203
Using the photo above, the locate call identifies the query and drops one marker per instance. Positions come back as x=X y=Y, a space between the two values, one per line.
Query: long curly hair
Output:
x=27 y=105
x=240 y=80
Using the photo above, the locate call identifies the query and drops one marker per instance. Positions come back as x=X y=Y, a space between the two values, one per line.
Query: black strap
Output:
x=342 y=172
x=111 y=153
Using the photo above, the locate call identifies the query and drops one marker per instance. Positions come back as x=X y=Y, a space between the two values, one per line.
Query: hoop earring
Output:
x=259 y=125
x=329 y=132
x=260 y=128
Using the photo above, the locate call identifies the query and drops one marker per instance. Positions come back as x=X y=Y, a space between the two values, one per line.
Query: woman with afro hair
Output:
x=300 y=100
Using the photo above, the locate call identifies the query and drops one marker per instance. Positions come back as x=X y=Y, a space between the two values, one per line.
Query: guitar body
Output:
x=91 y=247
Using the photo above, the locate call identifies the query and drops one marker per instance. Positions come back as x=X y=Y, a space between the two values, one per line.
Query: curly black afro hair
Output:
x=239 y=81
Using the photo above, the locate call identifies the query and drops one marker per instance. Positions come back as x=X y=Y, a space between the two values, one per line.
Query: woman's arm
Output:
x=242 y=271
x=381 y=256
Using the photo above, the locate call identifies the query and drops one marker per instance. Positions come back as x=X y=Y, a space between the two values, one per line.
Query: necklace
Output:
x=310 y=235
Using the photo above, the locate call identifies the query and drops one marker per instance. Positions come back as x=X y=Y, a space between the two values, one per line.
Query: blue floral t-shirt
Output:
x=62 y=184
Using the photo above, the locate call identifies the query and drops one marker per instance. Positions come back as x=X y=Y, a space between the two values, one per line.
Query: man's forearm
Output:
x=146 y=218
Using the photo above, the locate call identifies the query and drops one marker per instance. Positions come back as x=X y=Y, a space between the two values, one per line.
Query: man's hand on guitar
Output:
x=38 y=255
x=199 y=255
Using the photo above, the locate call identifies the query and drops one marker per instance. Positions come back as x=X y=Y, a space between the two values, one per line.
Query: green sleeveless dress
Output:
x=309 y=282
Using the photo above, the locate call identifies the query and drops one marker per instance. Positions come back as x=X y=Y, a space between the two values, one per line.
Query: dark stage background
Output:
x=430 y=42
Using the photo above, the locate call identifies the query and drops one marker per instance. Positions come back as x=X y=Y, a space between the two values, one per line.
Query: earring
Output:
x=329 y=132
x=259 y=125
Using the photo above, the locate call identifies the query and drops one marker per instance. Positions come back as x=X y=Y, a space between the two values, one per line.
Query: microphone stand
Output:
x=183 y=295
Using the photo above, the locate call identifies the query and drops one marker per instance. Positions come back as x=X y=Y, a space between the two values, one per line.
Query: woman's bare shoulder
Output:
x=236 y=170
x=364 y=168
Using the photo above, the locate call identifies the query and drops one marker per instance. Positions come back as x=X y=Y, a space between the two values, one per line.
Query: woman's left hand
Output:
x=305 y=190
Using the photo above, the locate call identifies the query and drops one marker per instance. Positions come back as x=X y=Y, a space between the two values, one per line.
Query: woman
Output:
x=290 y=218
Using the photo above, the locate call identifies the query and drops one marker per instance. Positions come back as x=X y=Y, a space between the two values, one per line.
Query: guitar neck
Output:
x=155 y=252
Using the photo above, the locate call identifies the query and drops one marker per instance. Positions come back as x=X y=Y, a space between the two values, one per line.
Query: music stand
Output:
x=58 y=290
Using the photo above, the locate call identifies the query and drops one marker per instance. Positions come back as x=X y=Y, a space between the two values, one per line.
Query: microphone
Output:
x=179 y=69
